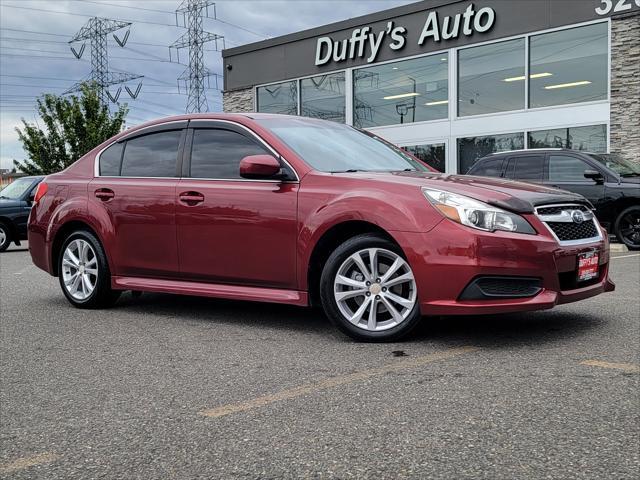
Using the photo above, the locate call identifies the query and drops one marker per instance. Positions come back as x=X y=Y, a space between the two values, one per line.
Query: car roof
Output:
x=541 y=150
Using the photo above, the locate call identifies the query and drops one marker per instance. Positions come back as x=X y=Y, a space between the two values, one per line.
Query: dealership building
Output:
x=452 y=81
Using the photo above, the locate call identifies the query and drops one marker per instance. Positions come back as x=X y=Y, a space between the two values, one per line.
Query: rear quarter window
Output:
x=110 y=160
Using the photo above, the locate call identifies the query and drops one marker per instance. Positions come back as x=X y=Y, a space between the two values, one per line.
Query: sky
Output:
x=35 y=57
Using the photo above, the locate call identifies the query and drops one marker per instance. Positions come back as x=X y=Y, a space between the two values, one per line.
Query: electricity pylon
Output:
x=194 y=76
x=96 y=31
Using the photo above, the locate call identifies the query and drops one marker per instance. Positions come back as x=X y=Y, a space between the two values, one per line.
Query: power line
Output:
x=83 y=15
x=115 y=57
x=242 y=28
x=61 y=42
x=54 y=78
x=171 y=13
x=126 y=6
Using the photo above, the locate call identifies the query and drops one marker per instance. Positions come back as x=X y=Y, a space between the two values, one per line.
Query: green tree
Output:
x=72 y=127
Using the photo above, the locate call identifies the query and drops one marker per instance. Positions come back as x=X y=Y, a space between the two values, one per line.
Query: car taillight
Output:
x=40 y=192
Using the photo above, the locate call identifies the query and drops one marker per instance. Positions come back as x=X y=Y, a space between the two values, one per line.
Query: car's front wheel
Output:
x=5 y=237
x=627 y=227
x=368 y=290
x=84 y=272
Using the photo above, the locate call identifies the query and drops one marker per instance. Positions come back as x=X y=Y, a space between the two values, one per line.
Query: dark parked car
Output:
x=609 y=182
x=303 y=211
x=15 y=205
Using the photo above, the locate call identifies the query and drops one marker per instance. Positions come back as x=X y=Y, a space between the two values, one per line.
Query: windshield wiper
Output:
x=351 y=170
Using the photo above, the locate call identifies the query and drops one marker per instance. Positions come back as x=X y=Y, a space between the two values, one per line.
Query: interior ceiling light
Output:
x=567 y=85
x=439 y=102
x=522 y=77
x=402 y=95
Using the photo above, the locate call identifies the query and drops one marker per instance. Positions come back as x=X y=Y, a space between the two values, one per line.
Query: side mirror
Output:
x=594 y=175
x=259 y=167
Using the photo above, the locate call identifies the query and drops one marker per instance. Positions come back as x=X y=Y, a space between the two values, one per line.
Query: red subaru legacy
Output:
x=301 y=211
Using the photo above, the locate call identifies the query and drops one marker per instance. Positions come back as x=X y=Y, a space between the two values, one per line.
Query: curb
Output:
x=618 y=248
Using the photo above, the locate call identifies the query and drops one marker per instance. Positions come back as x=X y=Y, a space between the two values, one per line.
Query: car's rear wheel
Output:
x=368 y=290
x=627 y=227
x=84 y=272
x=5 y=237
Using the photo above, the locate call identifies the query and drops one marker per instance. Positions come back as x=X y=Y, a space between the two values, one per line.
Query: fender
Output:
x=373 y=208
x=77 y=209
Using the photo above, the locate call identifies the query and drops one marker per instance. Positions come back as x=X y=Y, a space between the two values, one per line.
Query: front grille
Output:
x=569 y=223
x=573 y=231
x=558 y=209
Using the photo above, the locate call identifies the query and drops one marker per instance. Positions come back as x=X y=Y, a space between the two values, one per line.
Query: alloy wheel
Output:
x=630 y=228
x=375 y=289
x=79 y=269
x=3 y=236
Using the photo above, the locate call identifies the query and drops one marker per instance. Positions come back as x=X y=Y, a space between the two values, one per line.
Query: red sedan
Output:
x=301 y=211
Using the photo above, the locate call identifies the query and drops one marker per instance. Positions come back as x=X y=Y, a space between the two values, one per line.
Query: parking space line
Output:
x=26 y=462
x=332 y=382
x=625 y=256
x=627 y=367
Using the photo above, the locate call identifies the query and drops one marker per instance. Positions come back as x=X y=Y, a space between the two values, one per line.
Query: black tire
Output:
x=102 y=296
x=627 y=227
x=5 y=236
x=329 y=303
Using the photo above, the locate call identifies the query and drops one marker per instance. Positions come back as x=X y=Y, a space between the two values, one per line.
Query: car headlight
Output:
x=476 y=214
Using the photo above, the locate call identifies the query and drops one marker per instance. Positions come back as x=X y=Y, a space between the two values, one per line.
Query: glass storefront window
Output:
x=472 y=149
x=569 y=66
x=491 y=78
x=279 y=98
x=433 y=154
x=401 y=92
x=592 y=138
x=323 y=97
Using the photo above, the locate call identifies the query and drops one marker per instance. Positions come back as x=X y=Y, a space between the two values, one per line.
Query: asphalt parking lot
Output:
x=182 y=387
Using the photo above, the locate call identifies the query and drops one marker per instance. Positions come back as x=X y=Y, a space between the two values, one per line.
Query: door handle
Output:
x=104 y=194
x=191 y=198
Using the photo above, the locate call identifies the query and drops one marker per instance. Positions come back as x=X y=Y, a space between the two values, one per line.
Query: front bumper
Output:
x=449 y=257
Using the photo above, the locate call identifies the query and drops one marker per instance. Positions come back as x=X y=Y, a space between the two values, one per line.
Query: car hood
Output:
x=519 y=197
x=9 y=203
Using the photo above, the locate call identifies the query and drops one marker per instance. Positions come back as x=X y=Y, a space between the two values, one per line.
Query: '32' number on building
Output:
x=617 y=6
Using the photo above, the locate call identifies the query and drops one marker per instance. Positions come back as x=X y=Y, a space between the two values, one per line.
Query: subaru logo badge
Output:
x=577 y=216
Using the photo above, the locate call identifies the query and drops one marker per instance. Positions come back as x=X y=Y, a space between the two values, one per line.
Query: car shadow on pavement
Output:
x=231 y=312
x=491 y=331
x=508 y=330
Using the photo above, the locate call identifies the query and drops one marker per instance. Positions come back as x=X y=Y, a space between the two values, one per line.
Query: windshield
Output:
x=16 y=189
x=618 y=164
x=333 y=147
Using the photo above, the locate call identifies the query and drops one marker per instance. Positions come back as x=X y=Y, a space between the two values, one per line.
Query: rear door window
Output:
x=528 y=168
x=567 y=168
x=216 y=153
x=152 y=155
